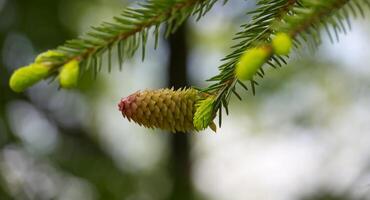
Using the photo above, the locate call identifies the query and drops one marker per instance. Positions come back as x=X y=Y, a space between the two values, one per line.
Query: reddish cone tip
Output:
x=121 y=105
x=125 y=103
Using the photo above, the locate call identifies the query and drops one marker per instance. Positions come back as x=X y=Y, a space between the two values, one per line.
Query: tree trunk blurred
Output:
x=180 y=166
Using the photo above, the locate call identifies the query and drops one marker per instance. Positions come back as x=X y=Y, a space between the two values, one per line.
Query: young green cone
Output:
x=165 y=108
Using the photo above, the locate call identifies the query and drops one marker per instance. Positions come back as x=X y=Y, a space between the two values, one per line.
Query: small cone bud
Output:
x=68 y=77
x=27 y=76
x=282 y=44
x=250 y=62
x=44 y=57
x=165 y=108
x=204 y=114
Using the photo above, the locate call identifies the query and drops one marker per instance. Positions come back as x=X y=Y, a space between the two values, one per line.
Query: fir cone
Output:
x=164 y=108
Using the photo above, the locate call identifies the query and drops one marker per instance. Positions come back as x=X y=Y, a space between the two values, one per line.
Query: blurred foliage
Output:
x=327 y=195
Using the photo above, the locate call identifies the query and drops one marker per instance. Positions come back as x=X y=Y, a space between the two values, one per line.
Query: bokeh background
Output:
x=305 y=135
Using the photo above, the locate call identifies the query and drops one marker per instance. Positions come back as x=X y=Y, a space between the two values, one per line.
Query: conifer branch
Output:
x=298 y=19
x=256 y=32
x=131 y=28
x=126 y=33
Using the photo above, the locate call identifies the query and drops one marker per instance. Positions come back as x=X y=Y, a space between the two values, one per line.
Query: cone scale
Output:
x=167 y=109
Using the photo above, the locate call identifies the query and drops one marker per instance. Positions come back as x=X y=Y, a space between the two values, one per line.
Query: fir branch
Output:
x=299 y=19
x=127 y=33
x=130 y=29
x=258 y=31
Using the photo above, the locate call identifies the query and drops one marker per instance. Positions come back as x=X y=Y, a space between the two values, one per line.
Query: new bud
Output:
x=282 y=44
x=27 y=76
x=48 y=55
x=68 y=77
x=251 y=61
x=204 y=114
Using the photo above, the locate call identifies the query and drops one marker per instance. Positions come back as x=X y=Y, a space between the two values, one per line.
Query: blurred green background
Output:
x=305 y=135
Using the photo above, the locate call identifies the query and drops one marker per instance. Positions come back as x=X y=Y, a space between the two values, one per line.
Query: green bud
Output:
x=204 y=114
x=44 y=57
x=282 y=44
x=27 y=76
x=250 y=62
x=68 y=77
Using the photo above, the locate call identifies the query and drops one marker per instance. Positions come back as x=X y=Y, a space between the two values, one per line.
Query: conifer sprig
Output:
x=126 y=34
x=130 y=30
x=301 y=20
x=258 y=31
